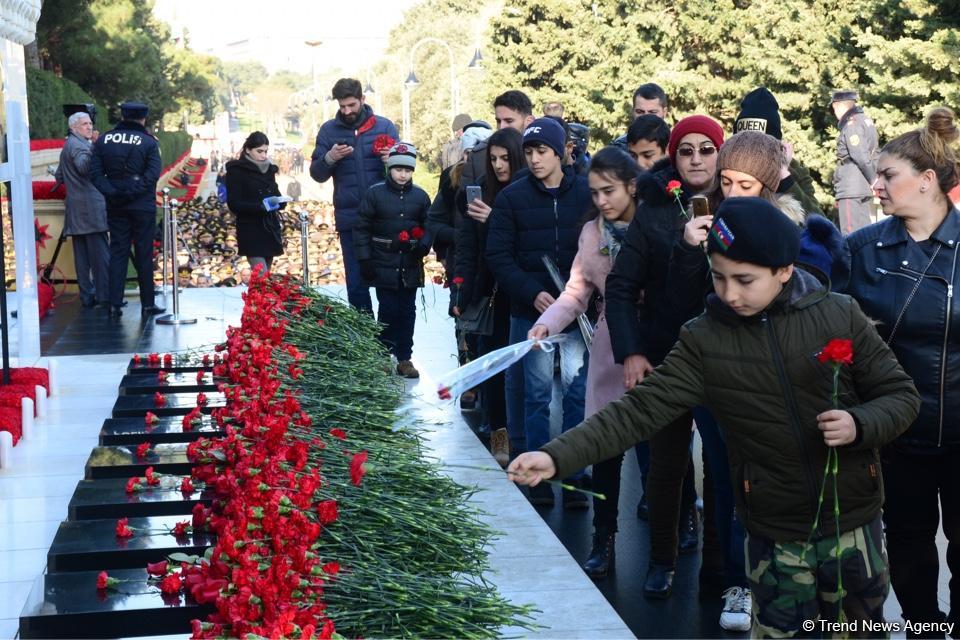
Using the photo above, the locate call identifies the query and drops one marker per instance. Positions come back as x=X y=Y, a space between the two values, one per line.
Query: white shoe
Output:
x=737 y=603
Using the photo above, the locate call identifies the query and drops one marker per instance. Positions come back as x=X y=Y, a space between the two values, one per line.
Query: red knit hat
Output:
x=694 y=124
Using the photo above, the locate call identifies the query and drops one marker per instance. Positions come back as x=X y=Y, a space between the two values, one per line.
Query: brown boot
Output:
x=406 y=369
x=500 y=447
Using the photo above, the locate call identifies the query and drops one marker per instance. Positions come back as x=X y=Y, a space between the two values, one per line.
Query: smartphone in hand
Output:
x=701 y=206
x=474 y=192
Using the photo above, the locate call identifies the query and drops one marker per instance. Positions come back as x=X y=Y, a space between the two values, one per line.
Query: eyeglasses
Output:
x=687 y=152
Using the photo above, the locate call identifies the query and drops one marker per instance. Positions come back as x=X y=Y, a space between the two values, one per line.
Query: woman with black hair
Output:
x=502 y=394
x=613 y=188
x=253 y=197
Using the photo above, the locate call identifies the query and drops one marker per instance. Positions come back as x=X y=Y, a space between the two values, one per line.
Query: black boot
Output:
x=688 y=534
x=659 y=582
x=601 y=560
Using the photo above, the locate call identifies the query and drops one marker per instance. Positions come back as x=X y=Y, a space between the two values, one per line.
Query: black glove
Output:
x=368 y=270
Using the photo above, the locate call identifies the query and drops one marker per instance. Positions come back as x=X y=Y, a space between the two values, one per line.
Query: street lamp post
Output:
x=412 y=82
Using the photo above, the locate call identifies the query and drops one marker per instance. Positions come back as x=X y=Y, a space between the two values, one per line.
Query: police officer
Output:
x=857 y=151
x=125 y=168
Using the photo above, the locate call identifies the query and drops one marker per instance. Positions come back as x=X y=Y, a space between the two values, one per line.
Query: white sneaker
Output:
x=737 y=603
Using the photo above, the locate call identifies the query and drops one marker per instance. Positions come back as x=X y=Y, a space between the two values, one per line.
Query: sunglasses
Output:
x=688 y=152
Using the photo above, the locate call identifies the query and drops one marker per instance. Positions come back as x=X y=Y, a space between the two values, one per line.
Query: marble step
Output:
x=118 y=431
x=108 y=498
x=143 y=367
x=68 y=605
x=92 y=545
x=121 y=461
x=177 y=404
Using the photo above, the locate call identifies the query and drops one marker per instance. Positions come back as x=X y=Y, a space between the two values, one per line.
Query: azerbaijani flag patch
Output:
x=722 y=234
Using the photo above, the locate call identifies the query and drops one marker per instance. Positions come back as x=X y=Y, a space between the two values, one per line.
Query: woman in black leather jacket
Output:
x=903 y=273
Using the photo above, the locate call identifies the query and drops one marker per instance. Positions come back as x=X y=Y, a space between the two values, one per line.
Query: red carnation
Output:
x=186 y=485
x=199 y=517
x=382 y=143
x=357 y=470
x=152 y=480
x=837 y=352
x=403 y=236
x=181 y=529
x=171 y=584
x=133 y=484
x=206 y=359
x=136 y=358
x=157 y=568
x=417 y=233
x=458 y=281
x=201 y=399
x=161 y=376
x=122 y=529
x=103 y=581
x=444 y=393
x=151 y=418
x=142 y=450
x=159 y=400
x=328 y=511
x=331 y=568
x=338 y=433
x=674 y=188
x=167 y=360
x=153 y=359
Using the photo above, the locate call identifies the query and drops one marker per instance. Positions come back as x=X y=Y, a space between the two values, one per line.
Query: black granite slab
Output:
x=108 y=498
x=175 y=383
x=183 y=367
x=92 y=545
x=177 y=404
x=117 y=431
x=68 y=605
x=122 y=461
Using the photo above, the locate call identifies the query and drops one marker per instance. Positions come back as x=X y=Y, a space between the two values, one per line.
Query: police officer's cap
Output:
x=134 y=110
x=845 y=95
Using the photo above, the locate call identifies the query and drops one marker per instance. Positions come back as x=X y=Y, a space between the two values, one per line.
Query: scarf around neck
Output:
x=263 y=166
x=611 y=237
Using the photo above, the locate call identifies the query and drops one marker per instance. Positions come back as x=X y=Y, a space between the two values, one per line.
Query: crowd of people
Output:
x=722 y=299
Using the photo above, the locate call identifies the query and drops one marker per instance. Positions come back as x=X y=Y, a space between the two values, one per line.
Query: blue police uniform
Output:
x=125 y=168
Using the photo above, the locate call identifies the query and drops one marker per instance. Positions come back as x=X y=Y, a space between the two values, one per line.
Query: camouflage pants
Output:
x=793 y=583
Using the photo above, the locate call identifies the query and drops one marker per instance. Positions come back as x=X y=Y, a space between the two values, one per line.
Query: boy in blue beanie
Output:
x=752 y=360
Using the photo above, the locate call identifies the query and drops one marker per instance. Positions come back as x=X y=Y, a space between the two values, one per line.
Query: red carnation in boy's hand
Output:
x=404 y=236
x=417 y=233
x=838 y=351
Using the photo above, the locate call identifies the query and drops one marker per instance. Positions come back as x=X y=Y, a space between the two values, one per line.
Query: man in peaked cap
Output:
x=125 y=167
x=857 y=152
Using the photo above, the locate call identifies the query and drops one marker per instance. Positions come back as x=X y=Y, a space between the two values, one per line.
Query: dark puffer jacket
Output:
x=353 y=175
x=761 y=379
x=258 y=231
x=388 y=210
x=528 y=222
x=648 y=327
x=885 y=267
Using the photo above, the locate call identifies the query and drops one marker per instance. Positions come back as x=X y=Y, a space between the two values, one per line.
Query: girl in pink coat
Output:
x=613 y=185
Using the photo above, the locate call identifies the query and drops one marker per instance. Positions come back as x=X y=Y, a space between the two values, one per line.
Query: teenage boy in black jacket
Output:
x=538 y=215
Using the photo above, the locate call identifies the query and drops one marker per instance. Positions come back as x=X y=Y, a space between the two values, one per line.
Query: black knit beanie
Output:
x=754 y=230
x=759 y=111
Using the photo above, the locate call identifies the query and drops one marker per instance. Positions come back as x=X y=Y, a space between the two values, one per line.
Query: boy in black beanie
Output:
x=752 y=359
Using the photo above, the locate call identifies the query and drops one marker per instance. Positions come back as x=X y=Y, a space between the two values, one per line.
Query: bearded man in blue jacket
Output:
x=348 y=151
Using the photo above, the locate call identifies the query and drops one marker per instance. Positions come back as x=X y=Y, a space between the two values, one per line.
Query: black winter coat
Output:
x=125 y=167
x=528 y=222
x=650 y=327
x=886 y=264
x=442 y=221
x=259 y=232
x=471 y=256
x=385 y=212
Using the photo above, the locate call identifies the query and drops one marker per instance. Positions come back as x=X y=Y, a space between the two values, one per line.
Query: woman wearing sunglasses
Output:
x=644 y=326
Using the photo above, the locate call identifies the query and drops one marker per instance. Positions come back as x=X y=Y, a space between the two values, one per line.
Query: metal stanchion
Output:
x=173 y=233
x=165 y=251
x=304 y=218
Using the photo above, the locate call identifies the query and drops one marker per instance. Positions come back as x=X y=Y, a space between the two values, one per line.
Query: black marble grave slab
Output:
x=92 y=545
x=117 y=431
x=185 y=367
x=177 y=404
x=68 y=605
x=108 y=498
x=122 y=461
x=175 y=383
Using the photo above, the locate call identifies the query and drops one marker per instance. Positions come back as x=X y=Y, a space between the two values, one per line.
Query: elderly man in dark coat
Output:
x=85 y=215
